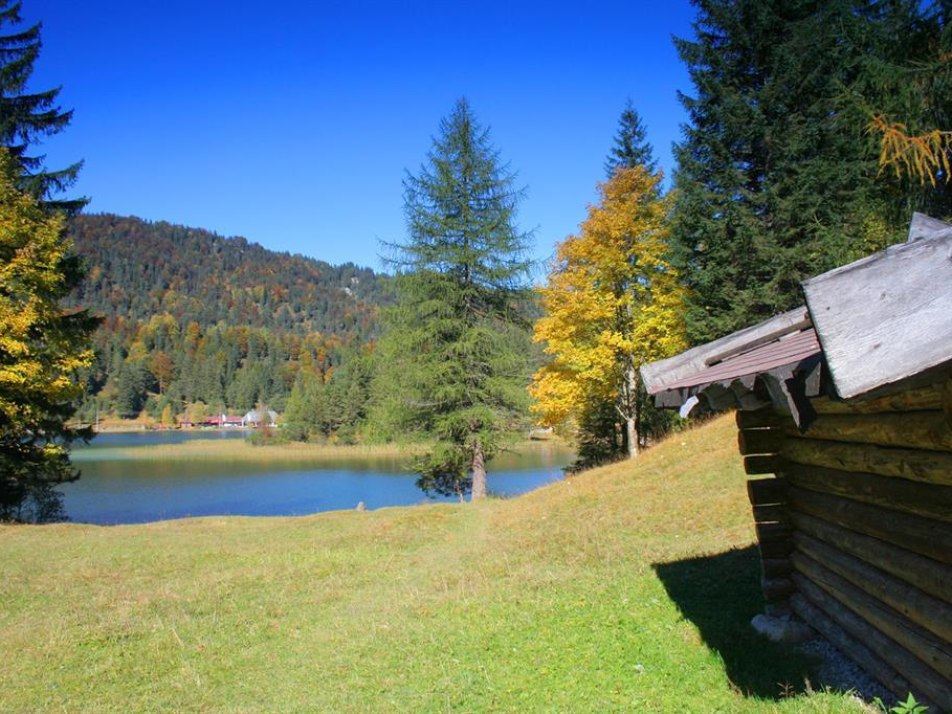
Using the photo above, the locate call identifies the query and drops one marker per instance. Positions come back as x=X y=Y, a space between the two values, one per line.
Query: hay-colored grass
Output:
x=627 y=588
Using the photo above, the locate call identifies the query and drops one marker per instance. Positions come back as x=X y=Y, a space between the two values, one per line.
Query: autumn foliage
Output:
x=613 y=303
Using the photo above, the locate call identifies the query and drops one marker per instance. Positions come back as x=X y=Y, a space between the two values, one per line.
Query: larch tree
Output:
x=613 y=303
x=454 y=353
x=43 y=351
x=26 y=117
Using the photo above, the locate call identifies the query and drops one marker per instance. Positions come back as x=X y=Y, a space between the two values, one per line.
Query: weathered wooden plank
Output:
x=759 y=441
x=912 y=603
x=930 y=576
x=886 y=317
x=908 y=400
x=763 y=464
x=657 y=375
x=772 y=532
x=767 y=491
x=931 y=650
x=914 y=430
x=760 y=418
x=828 y=616
x=922 y=499
x=920 y=535
x=916 y=465
x=923 y=226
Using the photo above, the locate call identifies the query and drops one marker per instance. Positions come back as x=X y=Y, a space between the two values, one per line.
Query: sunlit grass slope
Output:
x=627 y=588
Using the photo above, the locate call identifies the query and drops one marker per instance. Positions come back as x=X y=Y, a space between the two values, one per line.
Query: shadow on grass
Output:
x=720 y=594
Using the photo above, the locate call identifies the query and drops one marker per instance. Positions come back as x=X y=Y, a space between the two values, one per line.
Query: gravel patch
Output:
x=839 y=673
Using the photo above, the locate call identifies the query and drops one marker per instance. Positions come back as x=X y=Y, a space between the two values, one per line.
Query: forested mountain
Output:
x=137 y=269
x=194 y=322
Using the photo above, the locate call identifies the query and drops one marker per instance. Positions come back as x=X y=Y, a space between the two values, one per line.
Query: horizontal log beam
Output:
x=928 y=575
x=909 y=601
x=767 y=491
x=775 y=513
x=828 y=619
x=759 y=441
x=776 y=588
x=915 y=430
x=928 y=397
x=760 y=418
x=920 y=535
x=926 y=466
x=756 y=465
x=935 y=678
x=776 y=567
x=921 y=499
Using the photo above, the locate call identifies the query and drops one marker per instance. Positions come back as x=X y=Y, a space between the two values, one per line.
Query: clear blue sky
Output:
x=292 y=123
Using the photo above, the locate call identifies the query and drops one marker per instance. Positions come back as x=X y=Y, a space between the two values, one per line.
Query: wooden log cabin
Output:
x=844 y=415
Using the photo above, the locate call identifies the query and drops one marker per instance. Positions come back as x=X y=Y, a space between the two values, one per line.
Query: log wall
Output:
x=854 y=522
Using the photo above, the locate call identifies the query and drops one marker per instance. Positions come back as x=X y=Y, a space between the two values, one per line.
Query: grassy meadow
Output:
x=626 y=588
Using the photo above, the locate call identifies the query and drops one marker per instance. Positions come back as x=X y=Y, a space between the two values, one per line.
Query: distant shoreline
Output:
x=214 y=449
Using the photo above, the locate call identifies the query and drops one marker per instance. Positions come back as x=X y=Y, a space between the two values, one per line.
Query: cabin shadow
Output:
x=720 y=594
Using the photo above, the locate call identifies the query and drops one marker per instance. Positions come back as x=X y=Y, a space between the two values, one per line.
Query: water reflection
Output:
x=113 y=490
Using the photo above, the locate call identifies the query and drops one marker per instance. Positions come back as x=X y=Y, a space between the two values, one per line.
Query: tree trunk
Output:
x=631 y=418
x=479 y=471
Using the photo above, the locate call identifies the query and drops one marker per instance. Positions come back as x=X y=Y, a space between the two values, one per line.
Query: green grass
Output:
x=628 y=588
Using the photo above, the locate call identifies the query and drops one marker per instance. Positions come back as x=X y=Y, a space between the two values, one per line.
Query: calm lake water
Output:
x=114 y=490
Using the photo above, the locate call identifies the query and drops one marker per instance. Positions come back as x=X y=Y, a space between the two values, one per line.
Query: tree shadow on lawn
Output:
x=720 y=594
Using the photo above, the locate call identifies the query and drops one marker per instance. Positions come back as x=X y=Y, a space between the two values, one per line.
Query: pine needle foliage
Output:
x=454 y=354
x=778 y=178
x=26 y=117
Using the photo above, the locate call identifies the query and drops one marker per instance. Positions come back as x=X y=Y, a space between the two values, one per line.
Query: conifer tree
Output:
x=43 y=350
x=631 y=147
x=26 y=117
x=778 y=177
x=454 y=354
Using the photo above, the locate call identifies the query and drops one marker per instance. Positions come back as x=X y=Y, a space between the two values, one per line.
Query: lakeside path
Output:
x=626 y=588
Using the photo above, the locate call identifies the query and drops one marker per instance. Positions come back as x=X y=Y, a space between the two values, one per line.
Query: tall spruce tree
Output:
x=454 y=353
x=777 y=174
x=631 y=147
x=26 y=117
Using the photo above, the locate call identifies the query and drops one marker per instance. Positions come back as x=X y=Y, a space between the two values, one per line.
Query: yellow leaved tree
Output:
x=613 y=303
x=44 y=351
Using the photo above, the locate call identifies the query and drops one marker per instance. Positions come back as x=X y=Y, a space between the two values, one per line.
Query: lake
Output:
x=115 y=490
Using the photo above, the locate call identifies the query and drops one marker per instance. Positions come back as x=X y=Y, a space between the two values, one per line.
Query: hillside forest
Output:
x=194 y=324
x=813 y=131
x=784 y=171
